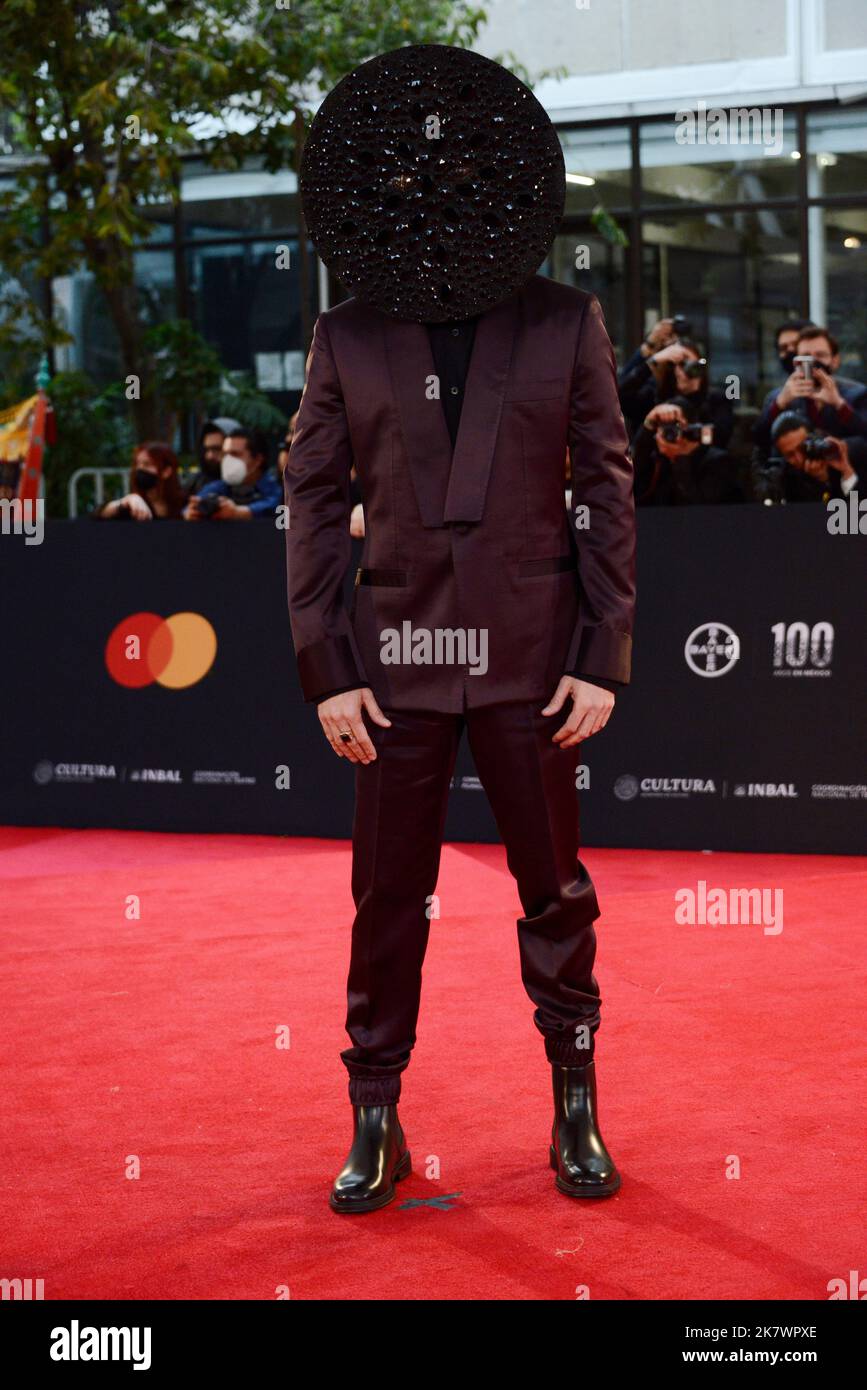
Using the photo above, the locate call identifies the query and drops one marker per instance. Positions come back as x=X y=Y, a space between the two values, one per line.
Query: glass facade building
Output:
x=734 y=237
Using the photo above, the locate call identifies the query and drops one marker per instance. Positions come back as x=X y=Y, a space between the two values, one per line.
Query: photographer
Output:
x=836 y=405
x=155 y=491
x=677 y=463
x=676 y=369
x=808 y=466
x=245 y=490
x=635 y=376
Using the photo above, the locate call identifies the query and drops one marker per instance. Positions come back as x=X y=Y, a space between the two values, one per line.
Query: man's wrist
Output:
x=341 y=690
x=613 y=687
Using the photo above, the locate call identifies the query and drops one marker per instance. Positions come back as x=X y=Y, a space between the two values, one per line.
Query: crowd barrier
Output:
x=742 y=730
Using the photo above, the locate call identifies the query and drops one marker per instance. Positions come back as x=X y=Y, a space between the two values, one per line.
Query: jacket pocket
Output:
x=534 y=391
x=555 y=564
x=388 y=579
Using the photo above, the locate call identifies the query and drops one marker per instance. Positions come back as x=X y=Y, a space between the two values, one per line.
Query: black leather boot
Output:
x=377 y=1160
x=583 y=1165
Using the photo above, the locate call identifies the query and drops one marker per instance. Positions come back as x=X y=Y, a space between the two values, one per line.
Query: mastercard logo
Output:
x=175 y=652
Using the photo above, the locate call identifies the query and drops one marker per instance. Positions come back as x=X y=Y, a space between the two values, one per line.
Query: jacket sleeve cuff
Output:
x=604 y=684
x=327 y=694
x=603 y=652
x=325 y=665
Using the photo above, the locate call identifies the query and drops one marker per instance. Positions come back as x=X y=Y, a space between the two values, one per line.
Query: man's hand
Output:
x=342 y=715
x=674 y=352
x=663 y=414
x=591 y=710
x=227 y=510
x=841 y=460
x=659 y=337
x=795 y=386
x=826 y=389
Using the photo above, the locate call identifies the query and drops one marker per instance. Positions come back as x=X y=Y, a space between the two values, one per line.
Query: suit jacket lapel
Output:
x=426 y=436
x=481 y=410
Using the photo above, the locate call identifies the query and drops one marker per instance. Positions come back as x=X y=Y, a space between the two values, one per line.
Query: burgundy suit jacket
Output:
x=479 y=540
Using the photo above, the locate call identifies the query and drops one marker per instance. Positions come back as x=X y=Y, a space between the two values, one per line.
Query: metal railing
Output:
x=99 y=476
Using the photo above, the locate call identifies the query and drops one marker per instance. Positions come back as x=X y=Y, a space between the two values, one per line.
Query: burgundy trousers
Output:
x=400 y=812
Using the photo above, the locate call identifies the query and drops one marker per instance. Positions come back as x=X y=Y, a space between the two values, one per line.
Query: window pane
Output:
x=161 y=218
x=837 y=147
x=598 y=167
x=248 y=309
x=83 y=310
x=734 y=276
x=672 y=172
x=838 y=281
x=603 y=275
x=224 y=204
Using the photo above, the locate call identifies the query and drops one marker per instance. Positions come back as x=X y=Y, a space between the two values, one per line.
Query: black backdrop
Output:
x=769 y=755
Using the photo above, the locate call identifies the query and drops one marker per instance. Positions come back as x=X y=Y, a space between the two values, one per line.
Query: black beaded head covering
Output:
x=432 y=183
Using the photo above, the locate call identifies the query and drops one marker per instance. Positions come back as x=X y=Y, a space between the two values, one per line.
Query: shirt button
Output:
x=455 y=332
x=455 y=391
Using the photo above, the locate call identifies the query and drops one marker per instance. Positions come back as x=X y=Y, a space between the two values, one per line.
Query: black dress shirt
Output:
x=451 y=348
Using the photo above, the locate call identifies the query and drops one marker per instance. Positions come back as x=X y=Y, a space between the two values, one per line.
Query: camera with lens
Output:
x=672 y=430
x=207 y=506
x=694 y=366
x=681 y=326
x=819 y=446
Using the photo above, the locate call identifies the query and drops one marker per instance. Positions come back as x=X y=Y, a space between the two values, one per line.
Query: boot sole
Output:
x=402 y=1170
x=570 y=1191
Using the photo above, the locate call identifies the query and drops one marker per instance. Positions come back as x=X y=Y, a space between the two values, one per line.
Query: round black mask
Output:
x=432 y=183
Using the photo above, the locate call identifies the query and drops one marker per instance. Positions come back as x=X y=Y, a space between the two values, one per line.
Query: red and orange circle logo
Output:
x=175 y=652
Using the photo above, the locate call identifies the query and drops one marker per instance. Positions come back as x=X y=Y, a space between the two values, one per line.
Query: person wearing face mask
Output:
x=245 y=490
x=155 y=491
x=786 y=339
x=210 y=452
x=835 y=404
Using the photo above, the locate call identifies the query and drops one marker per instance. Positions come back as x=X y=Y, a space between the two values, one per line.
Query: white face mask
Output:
x=233 y=470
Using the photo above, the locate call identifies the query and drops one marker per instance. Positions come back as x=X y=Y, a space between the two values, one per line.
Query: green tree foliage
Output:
x=99 y=103
x=93 y=431
x=186 y=370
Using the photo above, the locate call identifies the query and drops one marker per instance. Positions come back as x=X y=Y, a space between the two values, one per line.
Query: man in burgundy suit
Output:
x=479 y=605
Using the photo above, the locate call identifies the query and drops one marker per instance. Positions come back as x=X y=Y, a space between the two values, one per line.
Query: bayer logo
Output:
x=713 y=649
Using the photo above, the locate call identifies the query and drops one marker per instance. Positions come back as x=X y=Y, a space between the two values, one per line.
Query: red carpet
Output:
x=155 y=1038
